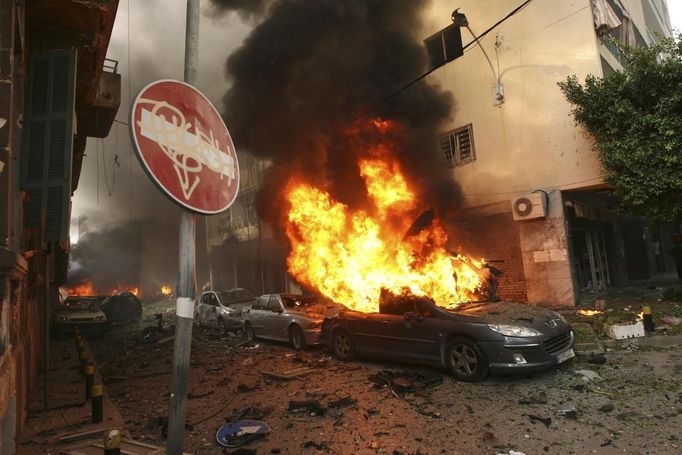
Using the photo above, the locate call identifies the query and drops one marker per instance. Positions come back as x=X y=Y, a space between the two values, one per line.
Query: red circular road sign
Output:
x=184 y=146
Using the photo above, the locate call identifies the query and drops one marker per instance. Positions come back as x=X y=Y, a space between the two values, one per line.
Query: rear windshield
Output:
x=236 y=296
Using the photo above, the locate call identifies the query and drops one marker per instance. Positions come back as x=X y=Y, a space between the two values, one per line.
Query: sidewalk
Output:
x=68 y=412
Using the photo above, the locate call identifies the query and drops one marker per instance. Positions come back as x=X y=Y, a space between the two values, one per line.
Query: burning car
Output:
x=223 y=308
x=470 y=341
x=123 y=307
x=287 y=317
x=83 y=312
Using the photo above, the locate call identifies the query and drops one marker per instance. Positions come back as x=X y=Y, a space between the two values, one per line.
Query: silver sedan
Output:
x=286 y=317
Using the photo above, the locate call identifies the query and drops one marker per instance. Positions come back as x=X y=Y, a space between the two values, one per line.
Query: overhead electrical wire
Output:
x=464 y=48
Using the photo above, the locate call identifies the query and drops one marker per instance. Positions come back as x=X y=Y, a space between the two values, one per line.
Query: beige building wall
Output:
x=530 y=141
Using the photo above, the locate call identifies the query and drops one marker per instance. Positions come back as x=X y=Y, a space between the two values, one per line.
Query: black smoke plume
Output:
x=310 y=69
x=108 y=257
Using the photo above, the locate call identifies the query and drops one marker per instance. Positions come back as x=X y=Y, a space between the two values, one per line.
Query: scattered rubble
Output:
x=568 y=410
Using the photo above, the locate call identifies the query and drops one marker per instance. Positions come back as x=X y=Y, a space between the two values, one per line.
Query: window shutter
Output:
x=48 y=143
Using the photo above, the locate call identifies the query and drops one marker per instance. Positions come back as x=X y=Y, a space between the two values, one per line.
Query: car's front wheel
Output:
x=465 y=360
x=296 y=337
x=250 y=333
x=342 y=345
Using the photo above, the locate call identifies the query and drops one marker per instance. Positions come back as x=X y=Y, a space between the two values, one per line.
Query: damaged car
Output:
x=471 y=341
x=223 y=309
x=122 y=308
x=291 y=318
x=84 y=312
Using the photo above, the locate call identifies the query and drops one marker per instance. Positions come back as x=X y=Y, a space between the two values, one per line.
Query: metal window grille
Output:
x=458 y=146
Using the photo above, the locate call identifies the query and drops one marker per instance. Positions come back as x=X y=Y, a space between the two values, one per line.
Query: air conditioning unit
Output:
x=529 y=206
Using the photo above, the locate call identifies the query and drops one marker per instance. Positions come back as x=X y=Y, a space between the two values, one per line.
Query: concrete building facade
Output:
x=512 y=139
x=54 y=93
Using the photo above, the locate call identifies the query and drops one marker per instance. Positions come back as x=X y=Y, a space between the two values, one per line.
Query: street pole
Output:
x=186 y=286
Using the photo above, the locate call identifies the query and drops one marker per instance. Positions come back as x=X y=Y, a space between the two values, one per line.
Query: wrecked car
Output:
x=470 y=341
x=287 y=317
x=222 y=309
x=83 y=312
x=123 y=307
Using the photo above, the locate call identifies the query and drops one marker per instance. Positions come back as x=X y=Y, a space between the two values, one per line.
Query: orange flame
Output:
x=590 y=312
x=351 y=255
x=84 y=288
x=121 y=288
x=166 y=290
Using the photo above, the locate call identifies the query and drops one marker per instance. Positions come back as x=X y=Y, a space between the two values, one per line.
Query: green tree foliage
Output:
x=635 y=117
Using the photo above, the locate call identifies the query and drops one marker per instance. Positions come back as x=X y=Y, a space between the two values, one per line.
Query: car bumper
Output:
x=312 y=336
x=527 y=355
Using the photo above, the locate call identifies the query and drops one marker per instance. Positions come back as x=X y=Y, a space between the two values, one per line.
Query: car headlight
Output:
x=315 y=325
x=514 y=330
x=61 y=319
x=99 y=318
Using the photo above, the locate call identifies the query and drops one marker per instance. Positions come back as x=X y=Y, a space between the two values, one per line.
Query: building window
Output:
x=458 y=146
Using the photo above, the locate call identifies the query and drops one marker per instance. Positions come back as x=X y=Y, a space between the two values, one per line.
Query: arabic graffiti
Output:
x=166 y=125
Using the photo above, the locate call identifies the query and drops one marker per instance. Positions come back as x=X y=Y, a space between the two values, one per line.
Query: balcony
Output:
x=96 y=118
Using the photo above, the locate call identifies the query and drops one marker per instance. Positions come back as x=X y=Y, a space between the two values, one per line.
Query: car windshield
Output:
x=79 y=304
x=236 y=296
x=294 y=302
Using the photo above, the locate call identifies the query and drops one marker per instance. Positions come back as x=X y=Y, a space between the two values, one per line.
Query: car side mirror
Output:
x=412 y=316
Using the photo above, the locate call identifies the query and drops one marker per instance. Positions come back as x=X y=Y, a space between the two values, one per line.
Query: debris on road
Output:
x=608 y=407
x=568 y=410
x=405 y=381
x=597 y=359
x=315 y=445
x=311 y=406
x=534 y=398
x=288 y=375
x=236 y=434
x=546 y=420
x=588 y=375
x=624 y=331
x=347 y=401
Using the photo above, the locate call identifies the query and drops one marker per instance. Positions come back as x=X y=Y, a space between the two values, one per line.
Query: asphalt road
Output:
x=633 y=407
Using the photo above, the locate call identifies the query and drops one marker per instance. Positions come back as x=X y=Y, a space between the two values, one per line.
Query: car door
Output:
x=416 y=338
x=276 y=321
x=204 y=308
x=257 y=315
x=408 y=340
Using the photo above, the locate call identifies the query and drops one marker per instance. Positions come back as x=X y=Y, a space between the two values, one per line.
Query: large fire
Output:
x=351 y=255
x=86 y=288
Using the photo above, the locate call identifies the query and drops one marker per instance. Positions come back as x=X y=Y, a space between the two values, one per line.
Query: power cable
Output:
x=464 y=48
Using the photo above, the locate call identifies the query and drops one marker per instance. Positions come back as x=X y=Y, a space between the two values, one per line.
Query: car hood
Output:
x=317 y=311
x=508 y=313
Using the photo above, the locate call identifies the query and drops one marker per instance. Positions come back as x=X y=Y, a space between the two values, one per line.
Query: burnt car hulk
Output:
x=470 y=341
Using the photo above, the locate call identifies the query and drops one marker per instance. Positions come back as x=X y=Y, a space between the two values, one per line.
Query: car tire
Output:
x=250 y=333
x=296 y=338
x=465 y=360
x=342 y=345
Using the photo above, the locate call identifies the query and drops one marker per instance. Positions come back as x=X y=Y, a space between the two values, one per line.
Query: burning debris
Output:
x=583 y=312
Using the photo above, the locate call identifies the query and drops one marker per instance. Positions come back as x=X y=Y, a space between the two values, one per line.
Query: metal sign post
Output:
x=184 y=147
x=187 y=280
